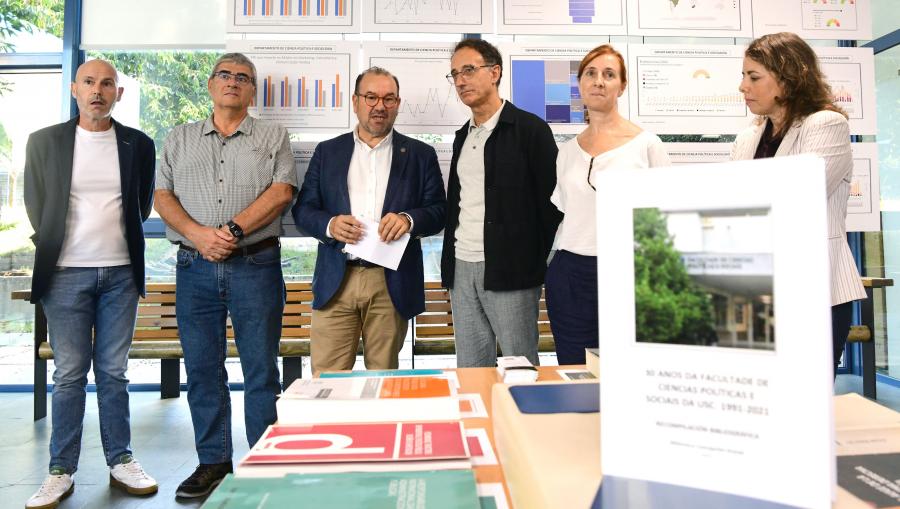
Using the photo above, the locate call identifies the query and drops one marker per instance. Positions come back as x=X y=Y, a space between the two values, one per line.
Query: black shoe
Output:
x=204 y=479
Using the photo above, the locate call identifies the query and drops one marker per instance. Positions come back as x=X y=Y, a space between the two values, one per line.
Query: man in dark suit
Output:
x=379 y=175
x=88 y=190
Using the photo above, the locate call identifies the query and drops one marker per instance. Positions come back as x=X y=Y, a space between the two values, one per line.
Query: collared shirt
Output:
x=367 y=178
x=216 y=177
x=470 y=166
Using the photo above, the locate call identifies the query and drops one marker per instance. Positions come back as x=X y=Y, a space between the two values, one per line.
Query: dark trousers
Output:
x=571 y=293
x=841 y=316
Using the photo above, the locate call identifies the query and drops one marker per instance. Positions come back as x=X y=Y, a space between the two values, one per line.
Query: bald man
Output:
x=88 y=190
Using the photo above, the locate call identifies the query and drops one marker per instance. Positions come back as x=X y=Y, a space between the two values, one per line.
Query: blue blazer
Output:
x=414 y=186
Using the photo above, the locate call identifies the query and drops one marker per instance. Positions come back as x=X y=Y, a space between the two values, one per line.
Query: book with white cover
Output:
x=712 y=397
x=349 y=400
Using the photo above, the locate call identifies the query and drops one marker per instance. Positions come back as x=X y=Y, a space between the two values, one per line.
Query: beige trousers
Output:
x=361 y=305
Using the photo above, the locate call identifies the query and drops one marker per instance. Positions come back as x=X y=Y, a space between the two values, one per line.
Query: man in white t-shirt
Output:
x=88 y=189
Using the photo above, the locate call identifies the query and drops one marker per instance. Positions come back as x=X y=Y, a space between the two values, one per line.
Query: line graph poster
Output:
x=851 y=74
x=698 y=18
x=543 y=79
x=444 y=16
x=814 y=19
x=293 y=16
x=571 y=17
x=302 y=85
x=863 y=211
x=680 y=89
x=429 y=104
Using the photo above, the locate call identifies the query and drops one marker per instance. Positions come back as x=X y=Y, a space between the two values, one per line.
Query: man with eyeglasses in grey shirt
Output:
x=500 y=221
x=221 y=187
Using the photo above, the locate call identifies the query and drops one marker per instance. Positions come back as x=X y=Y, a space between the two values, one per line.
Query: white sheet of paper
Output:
x=371 y=248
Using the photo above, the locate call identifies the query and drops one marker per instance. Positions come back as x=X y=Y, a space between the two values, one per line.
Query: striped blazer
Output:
x=827 y=135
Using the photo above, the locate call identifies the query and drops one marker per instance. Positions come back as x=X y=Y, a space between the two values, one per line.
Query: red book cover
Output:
x=324 y=443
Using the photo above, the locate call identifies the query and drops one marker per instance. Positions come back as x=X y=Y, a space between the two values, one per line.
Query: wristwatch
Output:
x=235 y=230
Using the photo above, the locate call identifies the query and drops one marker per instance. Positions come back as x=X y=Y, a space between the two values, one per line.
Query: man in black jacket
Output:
x=500 y=221
x=88 y=190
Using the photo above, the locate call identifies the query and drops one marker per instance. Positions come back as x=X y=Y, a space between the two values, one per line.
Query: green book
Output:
x=371 y=490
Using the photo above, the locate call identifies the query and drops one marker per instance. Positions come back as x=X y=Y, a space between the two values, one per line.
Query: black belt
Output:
x=359 y=262
x=242 y=251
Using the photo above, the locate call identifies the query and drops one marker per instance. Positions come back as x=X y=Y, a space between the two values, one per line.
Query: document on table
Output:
x=371 y=248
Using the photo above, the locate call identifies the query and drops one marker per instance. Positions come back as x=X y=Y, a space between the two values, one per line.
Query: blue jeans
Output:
x=90 y=318
x=251 y=290
x=482 y=318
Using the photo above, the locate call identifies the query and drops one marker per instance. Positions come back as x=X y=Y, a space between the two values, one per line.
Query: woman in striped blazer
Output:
x=783 y=84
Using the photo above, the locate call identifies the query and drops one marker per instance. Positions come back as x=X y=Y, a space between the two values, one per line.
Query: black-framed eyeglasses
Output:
x=389 y=101
x=590 y=167
x=466 y=72
x=239 y=78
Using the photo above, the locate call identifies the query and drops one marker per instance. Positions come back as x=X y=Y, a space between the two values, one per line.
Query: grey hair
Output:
x=235 y=58
x=378 y=71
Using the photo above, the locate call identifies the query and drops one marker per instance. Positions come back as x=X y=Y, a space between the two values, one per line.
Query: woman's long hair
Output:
x=796 y=67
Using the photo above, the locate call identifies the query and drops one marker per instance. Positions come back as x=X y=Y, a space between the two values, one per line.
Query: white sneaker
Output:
x=55 y=488
x=129 y=476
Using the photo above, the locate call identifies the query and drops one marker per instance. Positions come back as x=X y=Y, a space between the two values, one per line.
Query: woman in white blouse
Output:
x=609 y=141
x=783 y=84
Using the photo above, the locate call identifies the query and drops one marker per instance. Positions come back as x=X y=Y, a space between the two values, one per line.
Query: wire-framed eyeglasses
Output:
x=239 y=78
x=466 y=72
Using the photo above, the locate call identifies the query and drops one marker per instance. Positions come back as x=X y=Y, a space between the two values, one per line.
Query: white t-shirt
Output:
x=575 y=198
x=95 y=224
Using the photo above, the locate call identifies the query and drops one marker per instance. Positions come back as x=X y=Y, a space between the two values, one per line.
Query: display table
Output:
x=553 y=460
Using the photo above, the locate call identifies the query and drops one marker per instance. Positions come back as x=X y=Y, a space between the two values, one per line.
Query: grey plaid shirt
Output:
x=215 y=178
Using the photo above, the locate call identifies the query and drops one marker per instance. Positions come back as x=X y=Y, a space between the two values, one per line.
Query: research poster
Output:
x=863 y=210
x=543 y=79
x=691 y=153
x=303 y=85
x=303 y=152
x=687 y=89
x=444 y=16
x=851 y=74
x=445 y=155
x=814 y=19
x=293 y=16
x=690 y=18
x=429 y=103
x=570 y=17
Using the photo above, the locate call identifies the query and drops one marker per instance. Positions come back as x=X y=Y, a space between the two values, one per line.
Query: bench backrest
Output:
x=156 y=313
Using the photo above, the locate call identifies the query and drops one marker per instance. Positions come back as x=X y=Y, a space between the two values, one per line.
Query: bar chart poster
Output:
x=680 y=89
x=851 y=74
x=863 y=210
x=443 y=16
x=429 y=103
x=570 y=17
x=293 y=16
x=544 y=81
x=303 y=152
x=692 y=153
x=302 y=86
x=690 y=18
x=814 y=19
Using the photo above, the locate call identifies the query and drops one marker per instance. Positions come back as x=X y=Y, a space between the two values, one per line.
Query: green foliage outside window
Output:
x=670 y=307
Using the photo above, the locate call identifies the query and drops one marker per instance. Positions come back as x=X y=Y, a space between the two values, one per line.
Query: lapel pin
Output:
x=402 y=150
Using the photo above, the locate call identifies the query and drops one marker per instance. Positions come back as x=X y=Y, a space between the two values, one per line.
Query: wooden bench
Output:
x=433 y=329
x=863 y=334
x=156 y=337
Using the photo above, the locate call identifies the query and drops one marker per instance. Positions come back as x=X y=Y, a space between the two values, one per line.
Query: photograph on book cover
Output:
x=704 y=277
x=698 y=262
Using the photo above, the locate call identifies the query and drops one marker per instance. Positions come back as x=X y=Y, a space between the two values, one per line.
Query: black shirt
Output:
x=768 y=144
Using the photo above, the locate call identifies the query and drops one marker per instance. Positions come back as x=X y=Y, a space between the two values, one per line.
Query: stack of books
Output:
x=371 y=441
